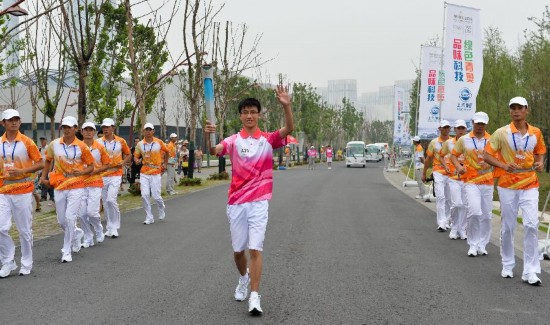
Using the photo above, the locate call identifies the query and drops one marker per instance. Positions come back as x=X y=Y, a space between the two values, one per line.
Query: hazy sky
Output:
x=372 y=41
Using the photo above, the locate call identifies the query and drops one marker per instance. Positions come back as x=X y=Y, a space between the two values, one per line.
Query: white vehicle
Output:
x=355 y=154
x=374 y=152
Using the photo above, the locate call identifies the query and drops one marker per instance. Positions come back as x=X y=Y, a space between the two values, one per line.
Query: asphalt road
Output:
x=343 y=246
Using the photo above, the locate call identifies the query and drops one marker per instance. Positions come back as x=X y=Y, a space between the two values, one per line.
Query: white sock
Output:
x=253 y=294
x=244 y=277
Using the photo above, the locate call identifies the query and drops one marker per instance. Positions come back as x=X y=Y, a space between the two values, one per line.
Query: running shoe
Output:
x=24 y=270
x=254 y=307
x=532 y=279
x=507 y=274
x=67 y=257
x=241 y=291
x=472 y=252
x=77 y=240
x=7 y=268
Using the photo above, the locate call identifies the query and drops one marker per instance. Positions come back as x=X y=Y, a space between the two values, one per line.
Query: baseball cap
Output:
x=9 y=113
x=416 y=139
x=69 y=121
x=518 y=100
x=88 y=125
x=459 y=123
x=108 y=122
x=481 y=117
x=444 y=123
x=173 y=135
x=312 y=147
x=148 y=126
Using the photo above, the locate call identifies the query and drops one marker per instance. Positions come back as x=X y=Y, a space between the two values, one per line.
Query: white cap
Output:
x=173 y=135
x=88 y=125
x=518 y=100
x=444 y=123
x=149 y=125
x=108 y=122
x=69 y=121
x=481 y=117
x=416 y=139
x=312 y=147
x=9 y=113
x=460 y=123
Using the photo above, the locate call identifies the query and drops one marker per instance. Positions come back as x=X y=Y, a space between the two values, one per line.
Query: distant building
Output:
x=379 y=105
x=340 y=89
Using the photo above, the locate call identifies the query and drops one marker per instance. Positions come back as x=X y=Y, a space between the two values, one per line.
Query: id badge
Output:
x=147 y=155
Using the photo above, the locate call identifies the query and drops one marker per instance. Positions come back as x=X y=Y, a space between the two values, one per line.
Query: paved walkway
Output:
x=397 y=179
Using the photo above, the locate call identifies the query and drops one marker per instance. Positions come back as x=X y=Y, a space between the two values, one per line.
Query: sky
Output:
x=374 y=42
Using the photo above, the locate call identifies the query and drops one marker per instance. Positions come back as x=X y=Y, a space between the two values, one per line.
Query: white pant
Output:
x=247 y=223
x=89 y=213
x=109 y=194
x=441 y=193
x=458 y=207
x=67 y=207
x=479 y=205
x=418 y=176
x=170 y=177
x=20 y=207
x=510 y=202
x=150 y=186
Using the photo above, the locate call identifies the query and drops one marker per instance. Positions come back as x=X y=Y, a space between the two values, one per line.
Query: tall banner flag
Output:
x=432 y=88
x=401 y=118
x=462 y=63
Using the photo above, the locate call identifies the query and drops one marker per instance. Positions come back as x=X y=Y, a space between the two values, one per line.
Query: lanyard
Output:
x=114 y=145
x=474 y=141
x=12 y=152
x=145 y=149
x=515 y=146
x=67 y=154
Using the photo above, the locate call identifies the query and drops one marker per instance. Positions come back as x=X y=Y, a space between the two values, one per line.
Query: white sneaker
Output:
x=67 y=257
x=99 y=237
x=162 y=216
x=482 y=251
x=25 y=270
x=505 y=273
x=532 y=279
x=453 y=234
x=114 y=233
x=85 y=245
x=7 y=268
x=472 y=252
x=148 y=222
x=463 y=237
x=241 y=291
x=77 y=240
x=108 y=233
x=254 y=307
x=418 y=197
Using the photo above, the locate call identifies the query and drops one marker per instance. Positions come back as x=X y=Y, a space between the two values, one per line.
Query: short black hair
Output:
x=42 y=138
x=250 y=102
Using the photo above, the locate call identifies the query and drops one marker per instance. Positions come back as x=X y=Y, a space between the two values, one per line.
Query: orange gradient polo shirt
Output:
x=434 y=150
x=520 y=149
x=101 y=158
x=151 y=155
x=115 y=150
x=67 y=159
x=21 y=153
x=472 y=148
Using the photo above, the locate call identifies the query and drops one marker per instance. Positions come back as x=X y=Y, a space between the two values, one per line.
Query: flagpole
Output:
x=442 y=60
x=418 y=83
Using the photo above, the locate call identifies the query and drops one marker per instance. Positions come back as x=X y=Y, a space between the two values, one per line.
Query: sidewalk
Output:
x=397 y=179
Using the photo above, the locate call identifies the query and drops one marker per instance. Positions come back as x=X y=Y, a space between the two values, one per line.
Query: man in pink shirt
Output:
x=251 y=153
x=311 y=155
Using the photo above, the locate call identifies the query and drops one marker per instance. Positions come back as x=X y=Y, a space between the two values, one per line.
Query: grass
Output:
x=45 y=224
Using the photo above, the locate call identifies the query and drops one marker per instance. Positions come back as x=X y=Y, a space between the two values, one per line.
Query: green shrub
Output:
x=219 y=176
x=190 y=181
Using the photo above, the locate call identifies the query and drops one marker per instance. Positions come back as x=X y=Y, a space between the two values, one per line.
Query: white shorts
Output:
x=247 y=223
x=329 y=159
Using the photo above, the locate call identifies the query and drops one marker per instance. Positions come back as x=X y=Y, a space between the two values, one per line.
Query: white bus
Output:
x=355 y=154
x=374 y=152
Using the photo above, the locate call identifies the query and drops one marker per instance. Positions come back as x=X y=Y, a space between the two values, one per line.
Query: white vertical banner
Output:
x=401 y=130
x=432 y=86
x=462 y=63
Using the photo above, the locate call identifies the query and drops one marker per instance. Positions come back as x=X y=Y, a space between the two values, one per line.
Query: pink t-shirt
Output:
x=252 y=165
x=312 y=153
x=329 y=153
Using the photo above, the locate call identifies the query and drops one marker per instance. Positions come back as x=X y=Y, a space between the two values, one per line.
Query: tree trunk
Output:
x=82 y=75
x=52 y=128
x=34 y=125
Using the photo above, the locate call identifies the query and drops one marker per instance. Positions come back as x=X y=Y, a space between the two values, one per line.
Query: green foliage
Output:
x=352 y=121
x=107 y=65
x=190 y=181
x=379 y=131
x=219 y=176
